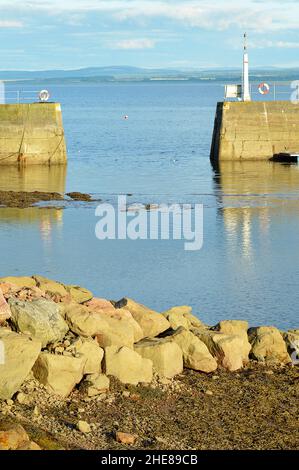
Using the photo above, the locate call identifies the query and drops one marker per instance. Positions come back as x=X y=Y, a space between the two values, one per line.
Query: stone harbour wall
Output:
x=255 y=130
x=32 y=134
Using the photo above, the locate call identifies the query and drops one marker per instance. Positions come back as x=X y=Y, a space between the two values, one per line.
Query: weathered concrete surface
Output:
x=255 y=130
x=32 y=134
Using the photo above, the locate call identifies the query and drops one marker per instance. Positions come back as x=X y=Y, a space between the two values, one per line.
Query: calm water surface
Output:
x=249 y=264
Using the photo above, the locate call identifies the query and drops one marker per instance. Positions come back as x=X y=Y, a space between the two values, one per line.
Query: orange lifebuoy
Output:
x=264 y=88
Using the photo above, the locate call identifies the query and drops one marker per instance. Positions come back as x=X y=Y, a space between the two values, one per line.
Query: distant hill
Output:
x=127 y=73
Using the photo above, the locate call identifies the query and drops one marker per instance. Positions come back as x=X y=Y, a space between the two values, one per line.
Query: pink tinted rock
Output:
x=5 y=312
x=7 y=287
x=101 y=304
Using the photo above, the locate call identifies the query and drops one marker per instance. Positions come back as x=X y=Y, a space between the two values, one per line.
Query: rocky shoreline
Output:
x=25 y=199
x=78 y=371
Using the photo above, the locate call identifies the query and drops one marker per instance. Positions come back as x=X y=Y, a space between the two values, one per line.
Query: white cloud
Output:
x=218 y=15
x=11 y=24
x=128 y=44
x=274 y=44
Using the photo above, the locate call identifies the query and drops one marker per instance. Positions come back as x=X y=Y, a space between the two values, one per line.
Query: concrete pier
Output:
x=255 y=130
x=32 y=134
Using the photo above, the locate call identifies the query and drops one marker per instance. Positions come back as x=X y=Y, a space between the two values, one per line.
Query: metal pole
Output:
x=246 y=90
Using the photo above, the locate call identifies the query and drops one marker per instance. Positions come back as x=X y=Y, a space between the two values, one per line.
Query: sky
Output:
x=191 y=34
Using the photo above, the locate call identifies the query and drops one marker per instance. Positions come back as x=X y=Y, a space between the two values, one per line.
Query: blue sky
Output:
x=47 y=34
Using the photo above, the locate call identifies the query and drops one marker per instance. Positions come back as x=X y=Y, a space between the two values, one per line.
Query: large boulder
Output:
x=127 y=365
x=79 y=294
x=268 y=345
x=166 y=356
x=41 y=318
x=107 y=311
x=18 y=354
x=50 y=287
x=21 y=282
x=230 y=351
x=232 y=327
x=182 y=316
x=195 y=353
x=12 y=435
x=97 y=303
x=82 y=321
x=60 y=374
x=92 y=353
x=5 y=312
x=291 y=339
x=152 y=323
x=108 y=330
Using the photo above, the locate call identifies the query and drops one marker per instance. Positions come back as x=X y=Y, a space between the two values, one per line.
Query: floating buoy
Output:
x=264 y=88
x=126 y=117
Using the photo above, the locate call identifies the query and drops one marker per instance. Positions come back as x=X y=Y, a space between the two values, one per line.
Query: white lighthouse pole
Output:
x=246 y=89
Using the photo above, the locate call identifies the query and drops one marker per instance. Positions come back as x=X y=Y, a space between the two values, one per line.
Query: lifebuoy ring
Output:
x=264 y=88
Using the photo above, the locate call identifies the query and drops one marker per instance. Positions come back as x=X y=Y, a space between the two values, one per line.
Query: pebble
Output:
x=209 y=392
x=126 y=394
x=164 y=381
x=9 y=402
x=125 y=438
x=269 y=372
x=83 y=427
x=102 y=397
x=59 y=350
x=21 y=398
x=215 y=377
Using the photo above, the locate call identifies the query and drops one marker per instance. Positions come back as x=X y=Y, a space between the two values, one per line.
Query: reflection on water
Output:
x=250 y=180
x=33 y=178
x=251 y=194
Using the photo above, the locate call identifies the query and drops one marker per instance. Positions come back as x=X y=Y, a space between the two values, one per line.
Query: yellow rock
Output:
x=166 y=356
x=152 y=323
x=79 y=294
x=59 y=374
x=50 y=287
x=268 y=345
x=19 y=281
x=195 y=353
x=127 y=365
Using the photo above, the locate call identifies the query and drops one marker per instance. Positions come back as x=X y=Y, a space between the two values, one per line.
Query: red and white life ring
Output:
x=264 y=88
